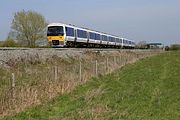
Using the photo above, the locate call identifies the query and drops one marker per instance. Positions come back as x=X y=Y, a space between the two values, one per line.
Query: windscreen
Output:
x=55 y=31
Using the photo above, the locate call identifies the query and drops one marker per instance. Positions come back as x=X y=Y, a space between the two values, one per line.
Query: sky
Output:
x=138 y=20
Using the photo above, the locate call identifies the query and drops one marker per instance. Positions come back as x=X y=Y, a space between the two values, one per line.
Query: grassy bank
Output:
x=30 y=81
x=147 y=89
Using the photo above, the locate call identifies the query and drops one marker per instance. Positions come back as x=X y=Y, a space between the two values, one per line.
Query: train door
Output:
x=75 y=36
x=88 y=37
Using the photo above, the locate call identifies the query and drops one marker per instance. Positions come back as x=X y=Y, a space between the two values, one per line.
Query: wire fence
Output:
x=29 y=86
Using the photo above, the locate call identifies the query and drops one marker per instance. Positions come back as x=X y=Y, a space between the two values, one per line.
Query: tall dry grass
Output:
x=36 y=82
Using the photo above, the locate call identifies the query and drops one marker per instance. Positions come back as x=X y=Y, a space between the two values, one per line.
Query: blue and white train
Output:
x=65 y=35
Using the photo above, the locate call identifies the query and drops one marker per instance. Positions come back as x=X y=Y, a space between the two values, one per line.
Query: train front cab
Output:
x=56 y=35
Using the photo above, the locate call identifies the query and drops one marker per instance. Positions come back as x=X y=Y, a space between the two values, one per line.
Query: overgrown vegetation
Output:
x=38 y=81
x=8 y=43
x=1 y=43
x=175 y=47
x=148 y=89
x=12 y=43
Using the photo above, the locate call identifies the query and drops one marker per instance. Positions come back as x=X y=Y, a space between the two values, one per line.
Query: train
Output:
x=67 y=35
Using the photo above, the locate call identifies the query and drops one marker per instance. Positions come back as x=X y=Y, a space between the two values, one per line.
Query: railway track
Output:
x=69 y=49
x=59 y=49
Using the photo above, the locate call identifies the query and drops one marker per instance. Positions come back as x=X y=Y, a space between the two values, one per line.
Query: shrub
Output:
x=175 y=47
x=1 y=43
x=9 y=43
x=166 y=48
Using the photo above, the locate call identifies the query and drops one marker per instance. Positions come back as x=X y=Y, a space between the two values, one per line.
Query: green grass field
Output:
x=146 y=90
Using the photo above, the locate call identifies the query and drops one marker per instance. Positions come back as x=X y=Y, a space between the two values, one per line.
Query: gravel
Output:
x=18 y=54
x=29 y=54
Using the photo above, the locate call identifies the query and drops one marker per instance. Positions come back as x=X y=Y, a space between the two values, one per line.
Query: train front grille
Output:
x=57 y=42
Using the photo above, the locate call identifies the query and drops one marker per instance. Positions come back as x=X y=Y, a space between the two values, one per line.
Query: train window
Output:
x=113 y=39
x=117 y=40
x=110 y=39
x=100 y=37
x=69 y=31
x=104 y=38
x=55 y=31
x=97 y=37
x=82 y=34
x=120 y=40
x=92 y=35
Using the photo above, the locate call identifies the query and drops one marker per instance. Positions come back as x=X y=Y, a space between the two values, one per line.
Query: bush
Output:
x=175 y=47
x=166 y=48
x=1 y=43
x=9 y=43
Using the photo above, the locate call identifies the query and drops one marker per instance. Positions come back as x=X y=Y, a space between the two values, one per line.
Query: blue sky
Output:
x=139 y=20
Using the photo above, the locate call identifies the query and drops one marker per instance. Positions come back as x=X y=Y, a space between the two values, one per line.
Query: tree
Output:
x=28 y=27
x=141 y=45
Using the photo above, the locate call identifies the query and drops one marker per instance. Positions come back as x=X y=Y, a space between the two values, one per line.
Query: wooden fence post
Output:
x=13 y=86
x=120 y=60
x=107 y=67
x=96 y=68
x=115 y=63
x=80 y=71
x=128 y=58
x=55 y=73
x=13 y=80
x=125 y=59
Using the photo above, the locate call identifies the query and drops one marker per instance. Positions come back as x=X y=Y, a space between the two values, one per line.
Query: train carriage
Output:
x=66 y=35
x=56 y=34
x=104 y=40
x=94 y=38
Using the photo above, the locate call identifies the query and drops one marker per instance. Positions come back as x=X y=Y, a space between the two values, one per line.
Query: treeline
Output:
x=9 y=43
x=173 y=47
x=15 y=43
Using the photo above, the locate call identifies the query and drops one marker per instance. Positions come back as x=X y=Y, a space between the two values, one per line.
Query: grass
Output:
x=37 y=81
x=146 y=90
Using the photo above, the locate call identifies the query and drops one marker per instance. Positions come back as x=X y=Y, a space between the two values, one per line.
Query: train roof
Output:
x=83 y=28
